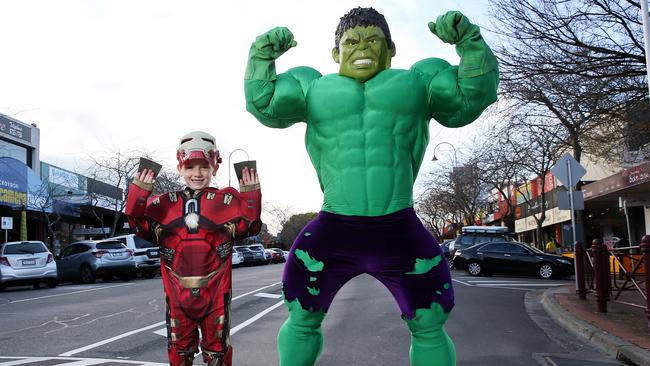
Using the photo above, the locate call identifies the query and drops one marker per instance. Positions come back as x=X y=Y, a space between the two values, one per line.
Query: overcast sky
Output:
x=97 y=76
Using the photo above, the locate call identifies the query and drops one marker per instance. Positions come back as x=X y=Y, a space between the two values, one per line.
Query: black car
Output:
x=445 y=251
x=511 y=258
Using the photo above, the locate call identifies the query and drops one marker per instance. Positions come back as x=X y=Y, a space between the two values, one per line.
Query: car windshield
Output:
x=141 y=243
x=25 y=248
x=110 y=245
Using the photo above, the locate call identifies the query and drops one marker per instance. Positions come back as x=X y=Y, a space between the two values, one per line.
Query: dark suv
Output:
x=471 y=235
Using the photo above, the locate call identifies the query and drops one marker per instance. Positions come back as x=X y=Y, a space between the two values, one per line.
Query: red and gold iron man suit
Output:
x=195 y=230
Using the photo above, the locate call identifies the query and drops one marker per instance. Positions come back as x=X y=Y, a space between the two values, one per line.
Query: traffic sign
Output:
x=568 y=171
x=564 y=200
x=7 y=223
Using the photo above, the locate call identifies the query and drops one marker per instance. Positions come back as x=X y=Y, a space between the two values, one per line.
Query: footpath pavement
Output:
x=622 y=332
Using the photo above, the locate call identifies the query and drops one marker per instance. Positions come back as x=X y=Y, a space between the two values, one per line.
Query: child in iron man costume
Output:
x=195 y=229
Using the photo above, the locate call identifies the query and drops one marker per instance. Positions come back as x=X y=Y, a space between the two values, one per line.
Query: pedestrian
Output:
x=367 y=132
x=551 y=246
x=195 y=228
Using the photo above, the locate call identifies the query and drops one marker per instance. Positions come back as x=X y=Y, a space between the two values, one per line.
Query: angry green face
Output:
x=362 y=53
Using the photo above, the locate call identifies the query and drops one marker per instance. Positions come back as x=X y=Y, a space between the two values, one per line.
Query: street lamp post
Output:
x=452 y=146
x=229 y=168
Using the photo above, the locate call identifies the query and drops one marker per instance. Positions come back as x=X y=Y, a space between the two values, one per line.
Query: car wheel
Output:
x=474 y=268
x=450 y=264
x=2 y=287
x=546 y=271
x=107 y=278
x=52 y=283
x=86 y=274
x=149 y=274
x=36 y=285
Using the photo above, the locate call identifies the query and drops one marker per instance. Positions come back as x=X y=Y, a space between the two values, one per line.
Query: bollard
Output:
x=645 y=250
x=601 y=272
x=579 y=262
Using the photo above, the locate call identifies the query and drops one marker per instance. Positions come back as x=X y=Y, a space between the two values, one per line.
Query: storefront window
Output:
x=13 y=151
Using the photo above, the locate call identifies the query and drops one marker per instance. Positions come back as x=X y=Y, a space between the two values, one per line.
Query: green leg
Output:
x=300 y=339
x=430 y=344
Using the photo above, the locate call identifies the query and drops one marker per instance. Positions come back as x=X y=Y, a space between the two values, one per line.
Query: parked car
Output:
x=86 y=260
x=146 y=254
x=237 y=257
x=251 y=257
x=277 y=256
x=259 y=248
x=445 y=251
x=26 y=262
x=471 y=235
x=511 y=258
x=286 y=255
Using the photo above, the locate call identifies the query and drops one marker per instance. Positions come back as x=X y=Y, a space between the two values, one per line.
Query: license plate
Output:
x=116 y=254
x=29 y=262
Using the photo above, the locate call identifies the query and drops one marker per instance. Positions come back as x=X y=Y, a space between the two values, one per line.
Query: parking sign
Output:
x=7 y=223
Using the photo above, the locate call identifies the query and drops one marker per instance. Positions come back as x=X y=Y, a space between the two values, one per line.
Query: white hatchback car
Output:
x=26 y=262
x=237 y=258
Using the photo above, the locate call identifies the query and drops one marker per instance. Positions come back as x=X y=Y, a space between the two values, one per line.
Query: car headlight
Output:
x=563 y=261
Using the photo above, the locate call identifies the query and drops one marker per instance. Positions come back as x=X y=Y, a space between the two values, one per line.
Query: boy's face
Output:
x=197 y=173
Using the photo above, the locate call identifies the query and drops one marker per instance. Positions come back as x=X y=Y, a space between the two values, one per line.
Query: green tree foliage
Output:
x=292 y=228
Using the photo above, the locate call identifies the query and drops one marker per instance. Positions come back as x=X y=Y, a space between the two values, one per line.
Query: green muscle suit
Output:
x=367 y=131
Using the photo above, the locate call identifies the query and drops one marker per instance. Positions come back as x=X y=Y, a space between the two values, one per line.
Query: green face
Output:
x=362 y=53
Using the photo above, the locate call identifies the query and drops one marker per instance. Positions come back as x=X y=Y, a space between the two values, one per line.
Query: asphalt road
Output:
x=496 y=321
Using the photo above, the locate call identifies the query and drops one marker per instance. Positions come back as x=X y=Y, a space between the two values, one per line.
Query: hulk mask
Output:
x=362 y=53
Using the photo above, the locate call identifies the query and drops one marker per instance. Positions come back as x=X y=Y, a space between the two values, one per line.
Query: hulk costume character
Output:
x=367 y=131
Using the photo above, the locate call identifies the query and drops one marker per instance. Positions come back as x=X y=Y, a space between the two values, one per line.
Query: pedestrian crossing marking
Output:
x=268 y=296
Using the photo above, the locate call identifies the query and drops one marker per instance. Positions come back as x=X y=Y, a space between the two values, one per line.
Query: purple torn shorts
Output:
x=385 y=247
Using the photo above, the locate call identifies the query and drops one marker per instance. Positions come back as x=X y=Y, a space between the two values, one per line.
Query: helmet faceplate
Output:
x=198 y=145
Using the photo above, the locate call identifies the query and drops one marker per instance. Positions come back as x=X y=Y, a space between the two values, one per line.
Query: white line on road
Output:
x=101 y=343
x=464 y=283
x=254 y=291
x=73 y=361
x=517 y=284
x=69 y=293
x=253 y=319
x=268 y=296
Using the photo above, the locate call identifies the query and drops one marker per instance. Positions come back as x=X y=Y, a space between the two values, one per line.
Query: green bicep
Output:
x=281 y=102
x=454 y=101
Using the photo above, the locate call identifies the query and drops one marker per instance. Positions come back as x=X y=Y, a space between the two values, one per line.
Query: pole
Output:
x=645 y=250
x=573 y=224
x=229 y=167
x=580 y=269
x=646 y=38
x=601 y=272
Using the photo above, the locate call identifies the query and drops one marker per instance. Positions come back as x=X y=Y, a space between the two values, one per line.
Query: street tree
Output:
x=580 y=63
x=293 y=226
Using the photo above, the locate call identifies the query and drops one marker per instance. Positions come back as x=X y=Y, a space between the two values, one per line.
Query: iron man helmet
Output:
x=198 y=145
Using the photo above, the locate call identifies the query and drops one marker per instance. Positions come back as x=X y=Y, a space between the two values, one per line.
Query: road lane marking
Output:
x=69 y=293
x=73 y=361
x=517 y=284
x=254 y=291
x=253 y=319
x=268 y=296
x=101 y=343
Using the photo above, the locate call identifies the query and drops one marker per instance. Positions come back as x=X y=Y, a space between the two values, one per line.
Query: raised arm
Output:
x=459 y=94
x=136 y=205
x=276 y=100
x=250 y=207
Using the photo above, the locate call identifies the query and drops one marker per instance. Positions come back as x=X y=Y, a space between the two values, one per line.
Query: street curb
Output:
x=614 y=346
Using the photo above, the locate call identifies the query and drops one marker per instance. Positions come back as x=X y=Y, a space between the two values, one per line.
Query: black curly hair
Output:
x=362 y=17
